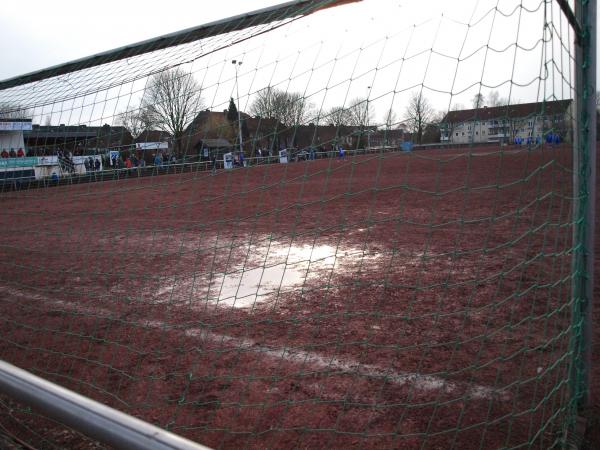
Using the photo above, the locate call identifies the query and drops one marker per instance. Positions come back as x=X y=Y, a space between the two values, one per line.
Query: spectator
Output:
x=86 y=164
x=158 y=160
x=20 y=153
x=4 y=153
x=241 y=159
x=342 y=153
x=12 y=153
x=97 y=164
x=214 y=164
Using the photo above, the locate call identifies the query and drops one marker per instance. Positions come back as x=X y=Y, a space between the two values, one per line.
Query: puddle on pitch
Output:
x=273 y=268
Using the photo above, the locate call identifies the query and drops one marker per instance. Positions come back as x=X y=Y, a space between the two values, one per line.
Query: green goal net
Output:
x=325 y=224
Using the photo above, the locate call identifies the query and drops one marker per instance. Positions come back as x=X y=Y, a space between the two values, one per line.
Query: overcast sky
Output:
x=40 y=33
x=338 y=49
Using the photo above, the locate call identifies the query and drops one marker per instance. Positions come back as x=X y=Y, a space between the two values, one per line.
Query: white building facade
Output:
x=520 y=123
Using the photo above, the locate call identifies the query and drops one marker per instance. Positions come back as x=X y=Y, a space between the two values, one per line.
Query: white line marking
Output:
x=421 y=382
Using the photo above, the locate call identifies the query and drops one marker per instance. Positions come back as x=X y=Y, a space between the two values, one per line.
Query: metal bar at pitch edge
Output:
x=87 y=416
x=259 y=17
x=584 y=185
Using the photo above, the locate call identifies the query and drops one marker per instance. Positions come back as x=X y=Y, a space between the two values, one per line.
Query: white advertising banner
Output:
x=283 y=156
x=48 y=160
x=152 y=145
x=228 y=160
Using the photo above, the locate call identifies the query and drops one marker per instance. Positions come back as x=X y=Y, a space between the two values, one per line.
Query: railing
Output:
x=110 y=174
x=87 y=416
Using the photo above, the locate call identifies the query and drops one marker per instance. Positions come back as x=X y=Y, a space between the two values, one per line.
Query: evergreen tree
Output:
x=232 y=112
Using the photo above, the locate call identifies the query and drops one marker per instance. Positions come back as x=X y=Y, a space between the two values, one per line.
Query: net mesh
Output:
x=357 y=234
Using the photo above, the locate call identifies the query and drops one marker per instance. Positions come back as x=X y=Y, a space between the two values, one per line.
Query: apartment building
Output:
x=525 y=122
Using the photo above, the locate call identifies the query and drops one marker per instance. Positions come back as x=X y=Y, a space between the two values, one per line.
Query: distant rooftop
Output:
x=508 y=111
x=2 y=119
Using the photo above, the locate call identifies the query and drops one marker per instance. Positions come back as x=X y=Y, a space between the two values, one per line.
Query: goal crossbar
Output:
x=282 y=11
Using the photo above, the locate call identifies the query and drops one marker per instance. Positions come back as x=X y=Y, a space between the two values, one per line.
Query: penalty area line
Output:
x=418 y=381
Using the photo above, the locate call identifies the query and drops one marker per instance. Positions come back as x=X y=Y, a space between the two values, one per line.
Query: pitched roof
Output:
x=508 y=111
x=258 y=124
x=77 y=131
x=152 y=136
x=201 y=118
x=216 y=143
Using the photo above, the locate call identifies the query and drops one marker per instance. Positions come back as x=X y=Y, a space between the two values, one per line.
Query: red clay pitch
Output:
x=425 y=301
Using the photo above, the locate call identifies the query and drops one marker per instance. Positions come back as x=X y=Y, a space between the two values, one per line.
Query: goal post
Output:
x=584 y=183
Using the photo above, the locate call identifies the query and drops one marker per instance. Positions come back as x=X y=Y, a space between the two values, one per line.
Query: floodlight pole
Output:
x=584 y=193
x=367 y=119
x=236 y=64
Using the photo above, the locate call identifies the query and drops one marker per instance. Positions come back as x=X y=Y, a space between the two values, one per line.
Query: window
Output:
x=463 y=133
x=457 y=133
x=477 y=132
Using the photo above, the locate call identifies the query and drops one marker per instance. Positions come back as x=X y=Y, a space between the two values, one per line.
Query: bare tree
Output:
x=356 y=114
x=418 y=114
x=172 y=100
x=360 y=115
x=289 y=108
x=14 y=111
x=494 y=99
x=135 y=120
x=433 y=129
x=457 y=107
x=338 y=116
x=478 y=101
x=390 y=120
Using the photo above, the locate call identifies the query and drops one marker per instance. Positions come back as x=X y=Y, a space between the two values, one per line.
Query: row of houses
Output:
x=211 y=132
x=42 y=140
x=211 y=129
x=525 y=122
